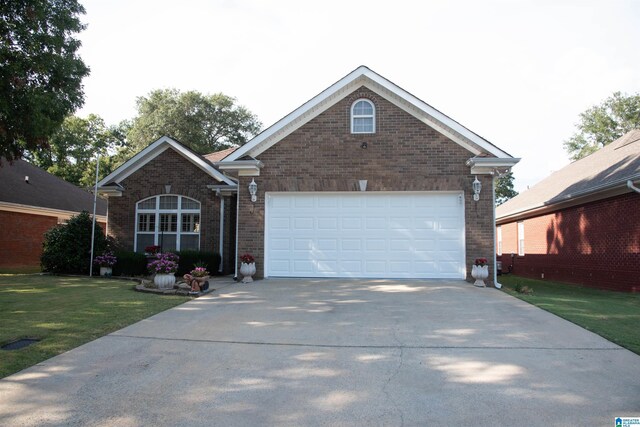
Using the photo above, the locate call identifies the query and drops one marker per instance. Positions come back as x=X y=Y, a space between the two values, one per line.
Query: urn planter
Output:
x=480 y=273
x=164 y=281
x=247 y=270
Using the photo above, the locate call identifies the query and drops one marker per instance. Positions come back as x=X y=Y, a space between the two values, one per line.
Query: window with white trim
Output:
x=363 y=117
x=499 y=238
x=521 y=238
x=171 y=222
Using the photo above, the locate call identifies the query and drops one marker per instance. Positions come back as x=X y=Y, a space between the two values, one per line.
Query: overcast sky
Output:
x=517 y=73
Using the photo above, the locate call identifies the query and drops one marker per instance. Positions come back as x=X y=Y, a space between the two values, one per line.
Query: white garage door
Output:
x=374 y=235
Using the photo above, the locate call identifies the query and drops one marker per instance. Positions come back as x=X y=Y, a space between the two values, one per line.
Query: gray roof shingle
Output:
x=43 y=189
x=611 y=165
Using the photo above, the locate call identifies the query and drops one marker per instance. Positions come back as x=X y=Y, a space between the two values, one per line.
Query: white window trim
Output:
x=365 y=116
x=157 y=211
x=499 y=233
x=520 y=238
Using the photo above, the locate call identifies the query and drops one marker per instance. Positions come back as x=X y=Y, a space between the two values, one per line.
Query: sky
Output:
x=518 y=73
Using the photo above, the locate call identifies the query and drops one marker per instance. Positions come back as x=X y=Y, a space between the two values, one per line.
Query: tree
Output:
x=603 y=124
x=67 y=247
x=205 y=123
x=504 y=188
x=72 y=150
x=40 y=72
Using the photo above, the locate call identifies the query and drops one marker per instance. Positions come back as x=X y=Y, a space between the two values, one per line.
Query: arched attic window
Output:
x=363 y=117
x=169 y=221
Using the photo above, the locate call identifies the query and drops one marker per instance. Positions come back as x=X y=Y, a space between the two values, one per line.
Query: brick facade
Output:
x=595 y=244
x=22 y=236
x=186 y=179
x=403 y=155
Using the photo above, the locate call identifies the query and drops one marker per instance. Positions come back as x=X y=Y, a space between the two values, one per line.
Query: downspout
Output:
x=495 y=257
x=221 y=231
x=633 y=187
x=237 y=181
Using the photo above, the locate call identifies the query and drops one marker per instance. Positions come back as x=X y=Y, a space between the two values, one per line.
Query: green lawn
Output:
x=65 y=312
x=613 y=315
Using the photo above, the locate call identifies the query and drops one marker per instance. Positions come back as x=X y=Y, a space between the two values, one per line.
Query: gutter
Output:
x=633 y=187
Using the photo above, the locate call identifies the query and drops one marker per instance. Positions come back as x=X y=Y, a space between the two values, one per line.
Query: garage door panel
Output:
x=280 y=244
x=352 y=223
x=365 y=235
x=351 y=244
x=379 y=223
x=328 y=224
x=375 y=245
x=375 y=267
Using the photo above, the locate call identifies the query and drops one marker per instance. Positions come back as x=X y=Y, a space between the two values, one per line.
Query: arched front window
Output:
x=363 y=117
x=171 y=222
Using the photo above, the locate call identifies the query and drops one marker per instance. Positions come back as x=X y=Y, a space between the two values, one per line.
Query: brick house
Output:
x=580 y=225
x=363 y=180
x=32 y=201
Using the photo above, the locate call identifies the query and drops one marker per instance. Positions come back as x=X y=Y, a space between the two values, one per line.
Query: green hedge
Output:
x=189 y=258
x=130 y=264
x=135 y=263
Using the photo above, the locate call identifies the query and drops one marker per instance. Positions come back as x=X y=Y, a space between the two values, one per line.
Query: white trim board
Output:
x=154 y=150
x=363 y=76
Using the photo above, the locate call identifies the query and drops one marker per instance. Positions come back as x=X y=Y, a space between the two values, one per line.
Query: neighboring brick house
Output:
x=363 y=180
x=580 y=225
x=33 y=201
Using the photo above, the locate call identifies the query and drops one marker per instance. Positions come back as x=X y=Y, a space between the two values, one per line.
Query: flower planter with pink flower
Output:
x=164 y=268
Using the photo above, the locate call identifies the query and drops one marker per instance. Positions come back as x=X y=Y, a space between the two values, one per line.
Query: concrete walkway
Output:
x=335 y=352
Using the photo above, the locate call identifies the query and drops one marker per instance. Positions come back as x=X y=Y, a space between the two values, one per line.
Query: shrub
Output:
x=130 y=264
x=67 y=247
x=189 y=259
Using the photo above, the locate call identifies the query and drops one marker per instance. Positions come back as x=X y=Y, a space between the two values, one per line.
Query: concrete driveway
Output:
x=335 y=352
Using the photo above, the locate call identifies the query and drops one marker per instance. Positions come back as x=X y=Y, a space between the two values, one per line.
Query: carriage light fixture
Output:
x=477 y=186
x=253 y=190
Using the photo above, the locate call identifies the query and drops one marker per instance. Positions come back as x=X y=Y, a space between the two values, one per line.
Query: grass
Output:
x=612 y=315
x=65 y=312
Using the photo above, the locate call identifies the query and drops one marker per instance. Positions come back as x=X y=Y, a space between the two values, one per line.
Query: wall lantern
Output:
x=477 y=186
x=253 y=190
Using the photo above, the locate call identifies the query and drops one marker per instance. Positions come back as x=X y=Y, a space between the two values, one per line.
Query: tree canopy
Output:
x=40 y=71
x=603 y=124
x=72 y=150
x=205 y=123
x=504 y=188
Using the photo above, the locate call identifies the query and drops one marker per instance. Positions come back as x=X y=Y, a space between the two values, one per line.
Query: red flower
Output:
x=247 y=258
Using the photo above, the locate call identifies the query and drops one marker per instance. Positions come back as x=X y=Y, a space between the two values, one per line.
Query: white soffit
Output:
x=363 y=76
x=153 y=151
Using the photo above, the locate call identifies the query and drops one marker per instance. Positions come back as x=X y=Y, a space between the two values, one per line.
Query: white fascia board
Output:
x=153 y=151
x=491 y=165
x=363 y=76
x=224 y=190
x=243 y=167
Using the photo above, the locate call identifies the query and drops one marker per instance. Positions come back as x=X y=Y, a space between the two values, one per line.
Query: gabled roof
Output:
x=43 y=190
x=363 y=76
x=217 y=156
x=599 y=173
x=112 y=181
